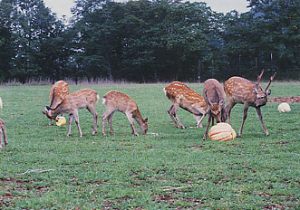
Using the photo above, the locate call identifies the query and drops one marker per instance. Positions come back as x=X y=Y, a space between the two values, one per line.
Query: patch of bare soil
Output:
x=288 y=99
x=10 y=185
x=274 y=207
x=171 y=200
x=111 y=204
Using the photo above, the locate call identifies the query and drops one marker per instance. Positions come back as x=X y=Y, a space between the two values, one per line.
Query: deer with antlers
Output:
x=186 y=98
x=243 y=91
x=3 y=133
x=85 y=98
x=214 y=96
x=117 y=101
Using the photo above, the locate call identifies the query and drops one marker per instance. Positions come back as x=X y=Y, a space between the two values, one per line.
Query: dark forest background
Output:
x=148 y=41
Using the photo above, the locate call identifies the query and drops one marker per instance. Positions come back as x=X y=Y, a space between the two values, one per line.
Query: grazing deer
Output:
x=214 y=96
x=3 y=133
x=117 y=101
x=243 y=91
x=182 y=96
x=59 y=90
x=86 y=98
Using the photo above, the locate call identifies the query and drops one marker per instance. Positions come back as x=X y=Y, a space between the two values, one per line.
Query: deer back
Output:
x=185 y=97
x=80 y=99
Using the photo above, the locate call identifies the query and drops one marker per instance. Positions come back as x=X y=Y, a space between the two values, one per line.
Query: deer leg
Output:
x=50 y=122
x=93 y=111
x=4 y=136
x=212 y=121
x=258 y=111
x=246 y=106
x=131 y=121
x=207 y=126
x=105 y=116
x=199 y=120
x=228 y=109
x=1 y=139
x=111 y=130
x=70 y=124
x=76 y=117
x=172 y=112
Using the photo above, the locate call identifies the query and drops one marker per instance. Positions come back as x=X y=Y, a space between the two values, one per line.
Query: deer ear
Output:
x=268 y=92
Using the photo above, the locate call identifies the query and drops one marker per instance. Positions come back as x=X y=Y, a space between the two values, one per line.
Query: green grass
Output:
x=171 y=170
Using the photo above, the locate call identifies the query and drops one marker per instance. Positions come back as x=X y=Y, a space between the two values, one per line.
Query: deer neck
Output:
x=138 y=116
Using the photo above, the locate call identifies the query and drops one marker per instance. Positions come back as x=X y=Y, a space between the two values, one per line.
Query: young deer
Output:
x=3 y=133
x=58 y=92
x=243 y=91
x=182 y=96
x=86 y=98
x=214 y=95
x=117 y=101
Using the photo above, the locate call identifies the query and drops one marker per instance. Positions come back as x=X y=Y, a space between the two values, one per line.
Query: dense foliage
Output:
x=147 y=41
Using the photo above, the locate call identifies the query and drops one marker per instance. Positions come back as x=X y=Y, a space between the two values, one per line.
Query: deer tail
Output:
x=104 y=100
x=98 y=97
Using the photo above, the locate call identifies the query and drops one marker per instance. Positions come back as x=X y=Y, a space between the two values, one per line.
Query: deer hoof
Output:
x=200 y=126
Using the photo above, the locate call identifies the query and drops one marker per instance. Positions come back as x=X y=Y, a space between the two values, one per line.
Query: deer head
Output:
x=216 y=110
x=144 y=126
x=48 y=112
x=261 y=95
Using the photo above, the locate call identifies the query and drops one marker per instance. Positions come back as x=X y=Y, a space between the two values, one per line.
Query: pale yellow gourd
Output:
x=284 y=107
x=60 y=121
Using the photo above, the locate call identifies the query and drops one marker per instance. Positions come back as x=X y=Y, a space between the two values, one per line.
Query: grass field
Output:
x=173 y=169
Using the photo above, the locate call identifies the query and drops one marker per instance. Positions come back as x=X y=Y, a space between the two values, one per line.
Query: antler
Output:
x=271 y=79
x=260 y=76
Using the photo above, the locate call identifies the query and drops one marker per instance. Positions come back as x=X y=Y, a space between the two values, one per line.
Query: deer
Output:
x=243 y=91
x=214 y=96
x=85 y=98
x=3 y=134
x=118 y=101
x=186 y=98
x=59 y=90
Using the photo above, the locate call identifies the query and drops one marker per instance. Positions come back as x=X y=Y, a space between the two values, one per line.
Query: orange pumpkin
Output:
x=221 y=132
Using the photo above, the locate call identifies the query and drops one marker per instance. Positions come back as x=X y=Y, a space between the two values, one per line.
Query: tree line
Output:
x=148 y=41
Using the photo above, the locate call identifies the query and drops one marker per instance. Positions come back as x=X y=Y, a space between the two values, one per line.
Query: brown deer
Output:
x=59 y=90
x=86 y=98
x=243 y=91
x=117 y=101
x=214 y=96
x=182 y=96
x=3 y=133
